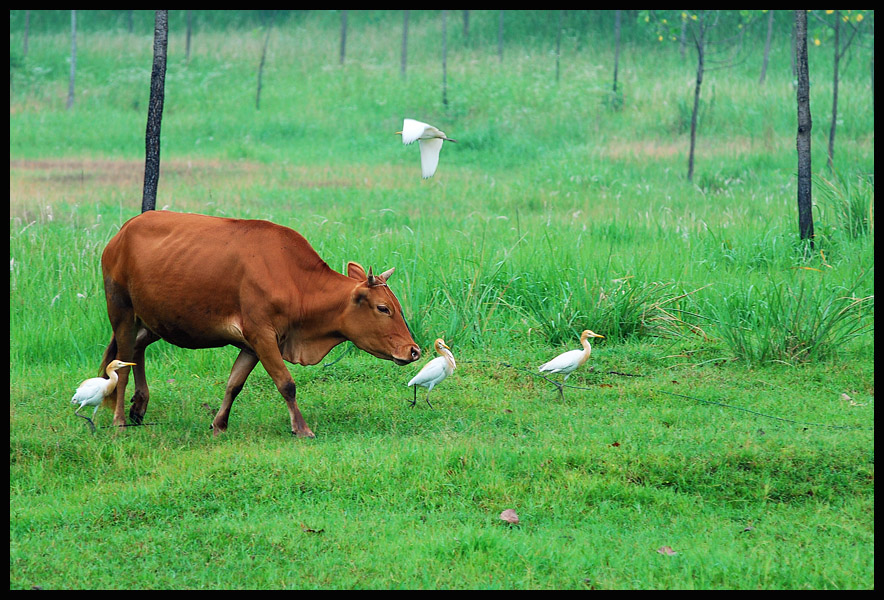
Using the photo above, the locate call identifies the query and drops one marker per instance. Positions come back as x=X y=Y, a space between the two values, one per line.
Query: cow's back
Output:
x=188 y=276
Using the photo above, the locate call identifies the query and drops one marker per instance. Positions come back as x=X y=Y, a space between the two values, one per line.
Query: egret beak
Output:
x=398 y=133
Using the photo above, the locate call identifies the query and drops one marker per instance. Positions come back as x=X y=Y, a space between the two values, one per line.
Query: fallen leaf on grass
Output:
x=306 y=529
x=510 y=516
x=616 y=444
x=667 y=550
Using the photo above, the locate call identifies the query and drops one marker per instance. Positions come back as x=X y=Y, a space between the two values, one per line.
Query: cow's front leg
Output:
x=270 y=357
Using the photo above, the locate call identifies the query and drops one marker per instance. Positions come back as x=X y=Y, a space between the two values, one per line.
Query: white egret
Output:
x=434 y=371
x=430 y=140
x=567 y=362
x=92 y=391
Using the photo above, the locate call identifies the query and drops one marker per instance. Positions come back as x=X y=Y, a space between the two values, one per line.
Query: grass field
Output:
x=557 y=210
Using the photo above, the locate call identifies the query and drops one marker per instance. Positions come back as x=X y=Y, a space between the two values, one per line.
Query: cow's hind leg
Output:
x=141 y=396
x=242 y=367
x=122 y=320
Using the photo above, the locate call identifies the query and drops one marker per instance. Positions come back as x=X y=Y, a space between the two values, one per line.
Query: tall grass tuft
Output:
x=791 y=322
x=850 y=201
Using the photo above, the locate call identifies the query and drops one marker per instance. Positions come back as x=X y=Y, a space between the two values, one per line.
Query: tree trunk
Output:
x=559 y=44
x=831 y=158
x=805 y=214
x=770 y=19
x=70 y=101
x=445 y=58
x=701 y=50
x=404 y=43
x=261 y=67
x=155 y=111
x=616 y=47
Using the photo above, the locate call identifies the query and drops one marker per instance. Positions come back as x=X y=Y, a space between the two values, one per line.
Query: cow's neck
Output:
x=318 y=321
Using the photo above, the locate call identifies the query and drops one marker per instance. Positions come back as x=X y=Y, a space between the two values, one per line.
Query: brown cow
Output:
x=204 y=282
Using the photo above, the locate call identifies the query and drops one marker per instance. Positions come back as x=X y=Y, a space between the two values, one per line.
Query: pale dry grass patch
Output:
x=729 y=147
x=36 y=186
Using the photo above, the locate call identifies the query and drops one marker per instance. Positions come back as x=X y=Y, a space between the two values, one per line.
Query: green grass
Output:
x=556 y=211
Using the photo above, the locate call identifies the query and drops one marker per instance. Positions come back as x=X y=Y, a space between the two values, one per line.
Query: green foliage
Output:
x=792 y=321
x=847 y=203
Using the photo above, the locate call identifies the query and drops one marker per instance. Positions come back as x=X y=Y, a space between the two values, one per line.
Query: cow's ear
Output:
x=355 y=271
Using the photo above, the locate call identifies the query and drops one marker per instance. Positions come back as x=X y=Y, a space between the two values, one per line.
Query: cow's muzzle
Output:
x=413 y=354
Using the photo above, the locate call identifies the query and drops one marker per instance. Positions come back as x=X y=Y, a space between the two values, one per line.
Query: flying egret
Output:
x=430 y=140
x=92 y=391
x=434 y=371
x=567 y=362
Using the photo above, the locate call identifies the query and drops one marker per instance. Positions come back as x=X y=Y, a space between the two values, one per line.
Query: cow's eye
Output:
x=383 y=309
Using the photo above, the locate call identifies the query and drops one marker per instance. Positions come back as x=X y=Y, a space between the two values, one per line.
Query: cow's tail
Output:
x=109 y=354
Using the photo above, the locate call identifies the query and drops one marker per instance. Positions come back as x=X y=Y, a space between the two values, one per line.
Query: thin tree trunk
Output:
x=70 y=101
x=155 y=111
x=445 y=58
x=559 y=44
x=616 y=47
x=261 y=68
x=831 y=157
x=805 y=204
x=404 y=43
x=770 y=20
x=701 y=49
x=343 y=35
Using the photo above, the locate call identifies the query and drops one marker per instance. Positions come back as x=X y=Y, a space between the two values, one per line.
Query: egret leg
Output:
x=428 y=398
x=413 y=402
x=91 y=424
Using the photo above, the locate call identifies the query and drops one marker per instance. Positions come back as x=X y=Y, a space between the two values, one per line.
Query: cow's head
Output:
x=373 y=318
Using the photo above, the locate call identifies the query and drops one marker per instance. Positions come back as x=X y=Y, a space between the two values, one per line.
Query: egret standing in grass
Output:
x=567 y=362
x=434 y=371
x=430 y=140
x=92 y=391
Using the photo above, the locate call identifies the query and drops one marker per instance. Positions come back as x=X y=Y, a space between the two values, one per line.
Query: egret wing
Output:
x=430 y=156
x=567 y=361
x=433 y=372
x=412 y=130
x=90 y=391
